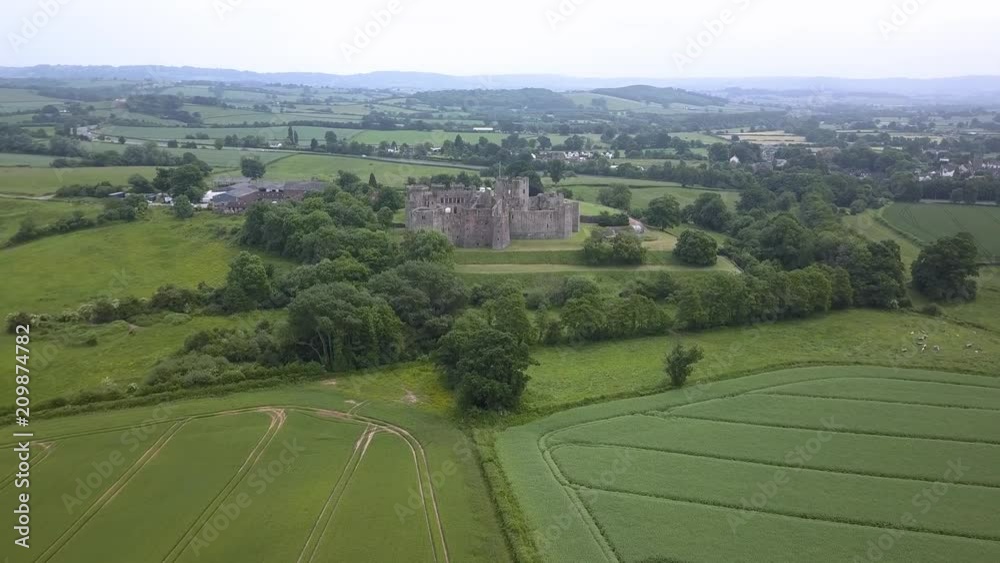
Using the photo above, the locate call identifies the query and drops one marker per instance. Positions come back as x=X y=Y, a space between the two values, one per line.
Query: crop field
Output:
x=304 y=167
x=331 y=479
x=931 y=221
x=813 y=464
x=44 y=181
x=771 y=138
x=698 y=136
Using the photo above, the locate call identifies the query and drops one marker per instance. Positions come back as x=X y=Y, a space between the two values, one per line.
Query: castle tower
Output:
x=515 y=191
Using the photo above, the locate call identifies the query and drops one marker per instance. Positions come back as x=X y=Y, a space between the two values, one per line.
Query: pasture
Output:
x=305 y=167
x=643 y=194
x=302 y=473
x=13 y=211
x=53 y=273
x=868 y=226
x=24 y=160
x=930 y=221
x=44 y=181
x=814 y=464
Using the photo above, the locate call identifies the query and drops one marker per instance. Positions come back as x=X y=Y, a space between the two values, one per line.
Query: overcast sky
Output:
x=591 y=38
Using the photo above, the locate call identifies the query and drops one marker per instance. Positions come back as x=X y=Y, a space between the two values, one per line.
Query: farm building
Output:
x=238 y=197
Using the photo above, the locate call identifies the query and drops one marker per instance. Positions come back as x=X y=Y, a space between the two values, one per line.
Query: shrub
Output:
x=931 y=311
x=15 y=320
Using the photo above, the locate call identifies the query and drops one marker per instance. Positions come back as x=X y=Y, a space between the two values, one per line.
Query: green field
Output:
x=642 y=195
x=868 y=226
x=929 y=222
x=265 y=476
x=304 y=167
x=271 y=133
x=14 y=210
x=51 y=274
x=815 y=464
x=44 y=181
x=570 y=374
x=17 y=99
x=38 y=160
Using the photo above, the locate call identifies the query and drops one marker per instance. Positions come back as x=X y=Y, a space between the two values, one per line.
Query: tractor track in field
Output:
x=111 y=493
x=768 y=463
x=855 y=432
x=47 y=448
x=374 y=426
x=278 y=418
x=315 y=538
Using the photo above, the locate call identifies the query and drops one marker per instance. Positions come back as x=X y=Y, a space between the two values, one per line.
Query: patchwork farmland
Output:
x=832 y=464
x=323 y=481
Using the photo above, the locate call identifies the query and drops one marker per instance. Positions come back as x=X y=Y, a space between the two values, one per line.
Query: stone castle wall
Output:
x=491 y=219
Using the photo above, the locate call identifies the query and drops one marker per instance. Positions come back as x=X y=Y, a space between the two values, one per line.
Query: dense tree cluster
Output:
x=621 y=246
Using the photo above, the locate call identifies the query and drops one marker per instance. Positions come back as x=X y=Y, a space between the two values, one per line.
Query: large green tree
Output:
x=696 y=249
x=344 y=328
x=486 y=367
x=248 y=284
x=618 y=196
x=945 y=269
x=252 y=167
x=663 y=212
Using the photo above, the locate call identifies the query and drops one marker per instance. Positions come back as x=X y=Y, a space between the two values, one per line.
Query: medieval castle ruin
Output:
x=491 y=218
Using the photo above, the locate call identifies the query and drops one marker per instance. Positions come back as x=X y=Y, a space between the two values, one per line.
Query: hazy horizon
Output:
x=573 y=38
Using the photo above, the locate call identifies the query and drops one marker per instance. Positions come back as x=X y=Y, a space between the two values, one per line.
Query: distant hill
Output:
x=659 y=90
x=664 y=96
x=532 y=99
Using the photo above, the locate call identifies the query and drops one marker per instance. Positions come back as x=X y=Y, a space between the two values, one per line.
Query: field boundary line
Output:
x=63 y=437
x=750 y=461
x=790 y=514
x=585 y=515
x=278 y=418
x=111 y=492
x=668 y=415
x=856 y=378
x=883 y=401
